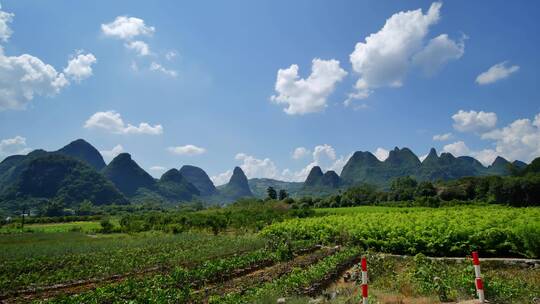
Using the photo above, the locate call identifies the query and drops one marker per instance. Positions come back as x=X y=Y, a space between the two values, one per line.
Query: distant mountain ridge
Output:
x=364 y=167
x=78 y=172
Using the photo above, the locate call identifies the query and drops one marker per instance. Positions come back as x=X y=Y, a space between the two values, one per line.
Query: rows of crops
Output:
x=298 y=281
x=45 y=259
x=494 y=231
x=180 y=285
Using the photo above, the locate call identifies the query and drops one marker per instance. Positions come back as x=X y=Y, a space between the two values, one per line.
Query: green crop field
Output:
x=58 y=264
x=455 y=231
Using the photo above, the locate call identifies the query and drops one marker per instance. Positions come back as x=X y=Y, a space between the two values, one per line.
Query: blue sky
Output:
x=192 y=82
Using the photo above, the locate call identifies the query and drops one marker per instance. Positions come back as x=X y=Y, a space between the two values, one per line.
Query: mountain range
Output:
x=77 y=172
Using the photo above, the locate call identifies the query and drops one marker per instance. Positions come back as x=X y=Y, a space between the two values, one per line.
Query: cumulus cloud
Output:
x=112 y=122
x=322 y=155
x=442 y=137
x=25 y=76
x=221 y=178
x=438 y=52
x=126 y=28
x=254 y=167
x=159 y=68
x=139 y=46
x=459 y=148
x=518 y=140
x=5 y=19
x=188 y=150
x=80 y=66
x=383 y=59
x=381 y=154
x=473 y=121
x=495 y=73
x=300 y=152
x=11 y=146
x=110 y=154
x=302 y=96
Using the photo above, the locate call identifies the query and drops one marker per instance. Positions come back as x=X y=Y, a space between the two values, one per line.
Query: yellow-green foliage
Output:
x=456 y=231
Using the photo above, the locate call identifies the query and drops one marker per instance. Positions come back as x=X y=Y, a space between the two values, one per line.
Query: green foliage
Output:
x=439 y=232
x=271 y=193
x=283 y=194
x=106 y=226
x=58 y=178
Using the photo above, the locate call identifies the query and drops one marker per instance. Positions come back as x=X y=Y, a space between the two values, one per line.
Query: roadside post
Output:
x=478 y=277
x=364 y=281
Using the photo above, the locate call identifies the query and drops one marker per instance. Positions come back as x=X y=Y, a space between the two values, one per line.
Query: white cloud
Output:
x=322 y=152
x=11 y=146
x=302 y=96
x=139 y=46
x=80 y=66
x=25 y=76
x=442 y=137
x=157 y=169
x=385 y=56
x=124 y=27
x=518 y=140
x=496 y=73
x=459 y=148
x=5 y=30
x=158 y=67
x=110 y=154
x=300 y=152
x=323 y=156
x=189 y=150
x=473 y=121
x=381 y=154
x=422 y=157
x=438 y=52
x=112 y=122
x=222 y=178
x=254 y=167
x=170 y=55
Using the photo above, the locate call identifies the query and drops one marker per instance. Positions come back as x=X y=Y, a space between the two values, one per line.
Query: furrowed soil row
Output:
x=80 y=286
x=261 y=276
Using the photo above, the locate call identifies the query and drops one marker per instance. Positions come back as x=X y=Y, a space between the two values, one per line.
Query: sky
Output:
x=275 y=87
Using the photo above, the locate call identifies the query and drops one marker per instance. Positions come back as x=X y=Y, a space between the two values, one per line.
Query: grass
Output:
x=87 y=227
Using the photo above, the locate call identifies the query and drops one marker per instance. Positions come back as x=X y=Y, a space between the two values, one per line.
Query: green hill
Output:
x=84 y=151
x=127 y=176
x=199 y=179
x=57 y=177
x=237 y=187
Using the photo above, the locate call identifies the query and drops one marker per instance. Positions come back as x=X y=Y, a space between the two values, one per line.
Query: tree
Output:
x=106 y=226
x=272 y=194
x=85 y=208
x=283 y=194
x=425 y=189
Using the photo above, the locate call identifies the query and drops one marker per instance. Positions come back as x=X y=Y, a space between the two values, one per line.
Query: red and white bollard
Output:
x=478 y=281
x=364 y=281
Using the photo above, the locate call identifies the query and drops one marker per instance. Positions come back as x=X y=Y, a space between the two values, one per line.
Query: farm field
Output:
x=78 y=226
x=281 y=260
